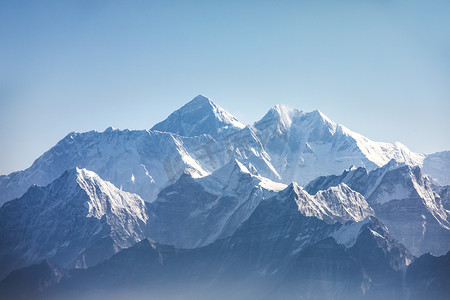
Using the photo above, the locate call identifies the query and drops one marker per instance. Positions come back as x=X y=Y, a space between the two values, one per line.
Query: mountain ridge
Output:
x=76 y=221
x=403 y=198
x=313 y=144
x=205 y=199
x=199 y=116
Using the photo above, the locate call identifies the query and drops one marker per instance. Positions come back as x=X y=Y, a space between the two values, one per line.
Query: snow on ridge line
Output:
x=199 y=116
x=381 y=153
x=100 y=191
x=377 y=152
x=250 y=147
x=348 y=233
x=216 y=179
x=339 y=203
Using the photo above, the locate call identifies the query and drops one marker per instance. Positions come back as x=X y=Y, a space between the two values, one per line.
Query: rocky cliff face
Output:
x=429 y=277
x=285 y=145
x=202 y=205
x=403 y=199
x=277 y=252
x=76 y=221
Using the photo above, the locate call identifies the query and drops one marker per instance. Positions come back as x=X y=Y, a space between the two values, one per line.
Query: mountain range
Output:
x=286 y=145
x=292 y=206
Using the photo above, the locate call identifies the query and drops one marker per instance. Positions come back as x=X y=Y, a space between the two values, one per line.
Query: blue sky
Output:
x=380 y=67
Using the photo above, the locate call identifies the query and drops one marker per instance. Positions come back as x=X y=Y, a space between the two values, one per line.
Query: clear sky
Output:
x=380 y=67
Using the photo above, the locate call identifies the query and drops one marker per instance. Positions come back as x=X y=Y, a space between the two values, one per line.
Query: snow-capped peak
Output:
x=279 y=115
x=349 y=232
x=336 y=204
x=200 y=100
x=200 y=116
x=73 y=219
x=281 y=119
x=106 y=198
x=317 y=118
x=232 y=176
x=284 y=114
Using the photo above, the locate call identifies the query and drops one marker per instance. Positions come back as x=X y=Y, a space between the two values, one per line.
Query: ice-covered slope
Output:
x=200 y=116
x=138 y=161
x=76 y=221
x=444 y=193
x=89 y=219
x=194 y=212
x=303 y=146
x=285 y=146
x=278 y=253
x=403 y=199
x=336 y=204
x=437 y=165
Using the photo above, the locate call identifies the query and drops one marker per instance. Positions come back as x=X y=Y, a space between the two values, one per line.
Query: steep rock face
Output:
x=277 y=234
x=194 y=212
x=335 y=204
x=139 y=161
x=368 y=265
x=75 y=221
x=90 y=219
x=383 y=258
x=324 y=270
x=304 y=145
x=272 y=254
x=403 y=199
x=405 y=202
x=428 y=277
x=437 y=165
x=285 y=146
x=210 y=193
x=29 y=282
x=355 y=178
x=344 y=203
x=444 y=193
x=200 y=116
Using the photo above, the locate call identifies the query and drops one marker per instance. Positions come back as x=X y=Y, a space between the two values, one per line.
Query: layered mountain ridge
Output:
x=285 y=146
x=89 y=219
x=201 y=200
x=244 y=265
x=76 y=221
x=403 y=199
x=200 y=116
x=193 y=212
